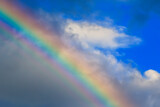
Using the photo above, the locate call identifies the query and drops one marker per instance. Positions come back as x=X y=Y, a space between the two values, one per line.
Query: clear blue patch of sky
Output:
x=147 y=54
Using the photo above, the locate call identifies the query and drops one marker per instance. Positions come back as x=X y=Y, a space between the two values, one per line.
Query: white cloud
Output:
x=96 y=35
x=152 y=75
x=143 y=90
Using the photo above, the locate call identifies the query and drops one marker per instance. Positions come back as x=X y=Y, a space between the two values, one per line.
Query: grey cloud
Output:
x=27 y=81
x=144 y=96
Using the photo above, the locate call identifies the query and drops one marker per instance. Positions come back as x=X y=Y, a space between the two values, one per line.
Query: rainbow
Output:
x=65 y=63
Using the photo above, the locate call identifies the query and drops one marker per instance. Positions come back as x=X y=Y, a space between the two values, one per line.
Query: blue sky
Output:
x=140 y=18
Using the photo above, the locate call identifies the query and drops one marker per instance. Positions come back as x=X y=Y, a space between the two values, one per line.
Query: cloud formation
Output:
x=143 y=90
x=94 y=35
